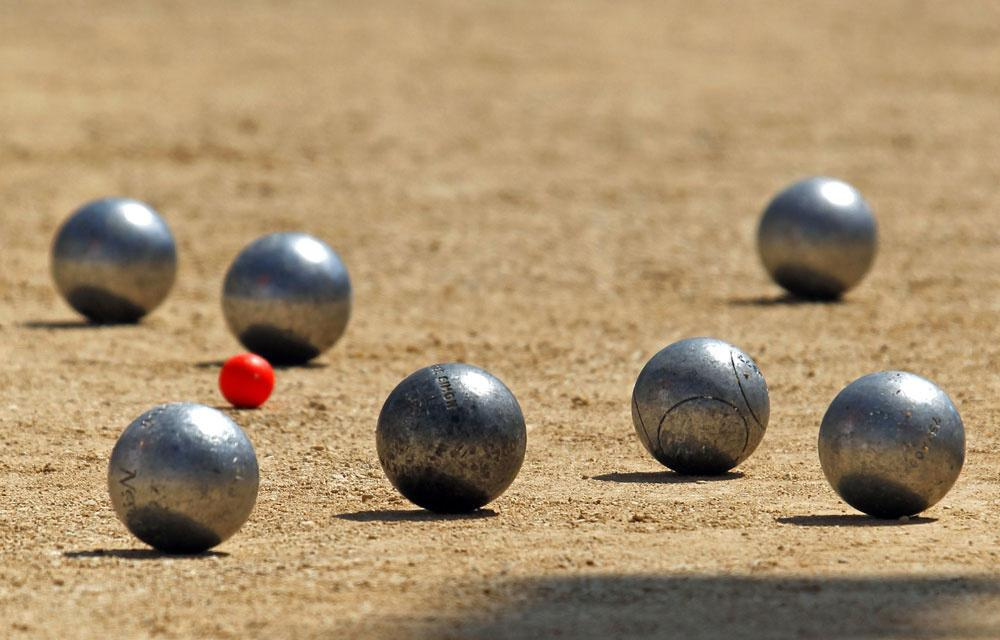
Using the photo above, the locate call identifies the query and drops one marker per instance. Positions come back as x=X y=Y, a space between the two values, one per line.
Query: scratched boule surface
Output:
x=451 y=437
x=552 y=193
x=183 y=477
x=696 y=410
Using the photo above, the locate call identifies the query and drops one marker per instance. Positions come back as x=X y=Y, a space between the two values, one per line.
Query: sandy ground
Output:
x=552 y=192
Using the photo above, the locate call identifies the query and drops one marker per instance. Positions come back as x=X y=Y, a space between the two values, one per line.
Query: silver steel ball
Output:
x=818 y=238
x=700 y=406
x=891 y=444
x=114 y=260
x=287 y=297
x=451 y=438
x=183 y=477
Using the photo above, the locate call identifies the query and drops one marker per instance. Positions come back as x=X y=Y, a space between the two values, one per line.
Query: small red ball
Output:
x=246 y=380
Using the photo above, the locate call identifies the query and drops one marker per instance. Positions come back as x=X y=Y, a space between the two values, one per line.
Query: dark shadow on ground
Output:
x=140 y=554
x=665 y=477
x=709 y=607
x=209 y=364
x=851 y=520
x=305 y=365
x=64 y=325
x=783 y=300
x=229 y=407
x=413 y=515
x=217 y=364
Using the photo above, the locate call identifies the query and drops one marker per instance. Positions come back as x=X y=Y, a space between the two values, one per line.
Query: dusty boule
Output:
x=892 y=444
x=451 y=437
x=183 y=477
x=700 y=406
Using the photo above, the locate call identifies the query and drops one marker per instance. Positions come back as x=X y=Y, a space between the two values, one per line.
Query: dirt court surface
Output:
x=552 y=192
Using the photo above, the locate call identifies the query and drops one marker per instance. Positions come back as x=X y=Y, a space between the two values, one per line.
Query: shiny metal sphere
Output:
x=891 y=444
x=114 y=260
x=818 y=238
x=700 y=406
x=183 y=477
x=451 y=437
x=287 y=297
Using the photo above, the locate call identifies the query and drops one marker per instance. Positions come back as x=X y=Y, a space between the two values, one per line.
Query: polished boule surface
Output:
x=451 y=437
x=183 y=477
x=287 y=297
x=114 y=260
x=818 y=238
x=892 y=444
x=700 y=406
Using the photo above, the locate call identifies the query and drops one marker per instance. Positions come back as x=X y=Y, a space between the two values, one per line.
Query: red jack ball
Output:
x=246 y=380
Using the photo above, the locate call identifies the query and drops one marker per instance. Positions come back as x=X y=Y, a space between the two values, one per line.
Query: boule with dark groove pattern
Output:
x=892 y=444
x=451 y=437
x=114 y=260
x=183 y=477
x=818 y=238
x=700 y=406
x=287 y=297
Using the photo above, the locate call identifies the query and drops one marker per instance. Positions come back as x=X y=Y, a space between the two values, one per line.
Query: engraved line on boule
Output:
x=642 y=422
x=746 y=427
x=732 y=360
